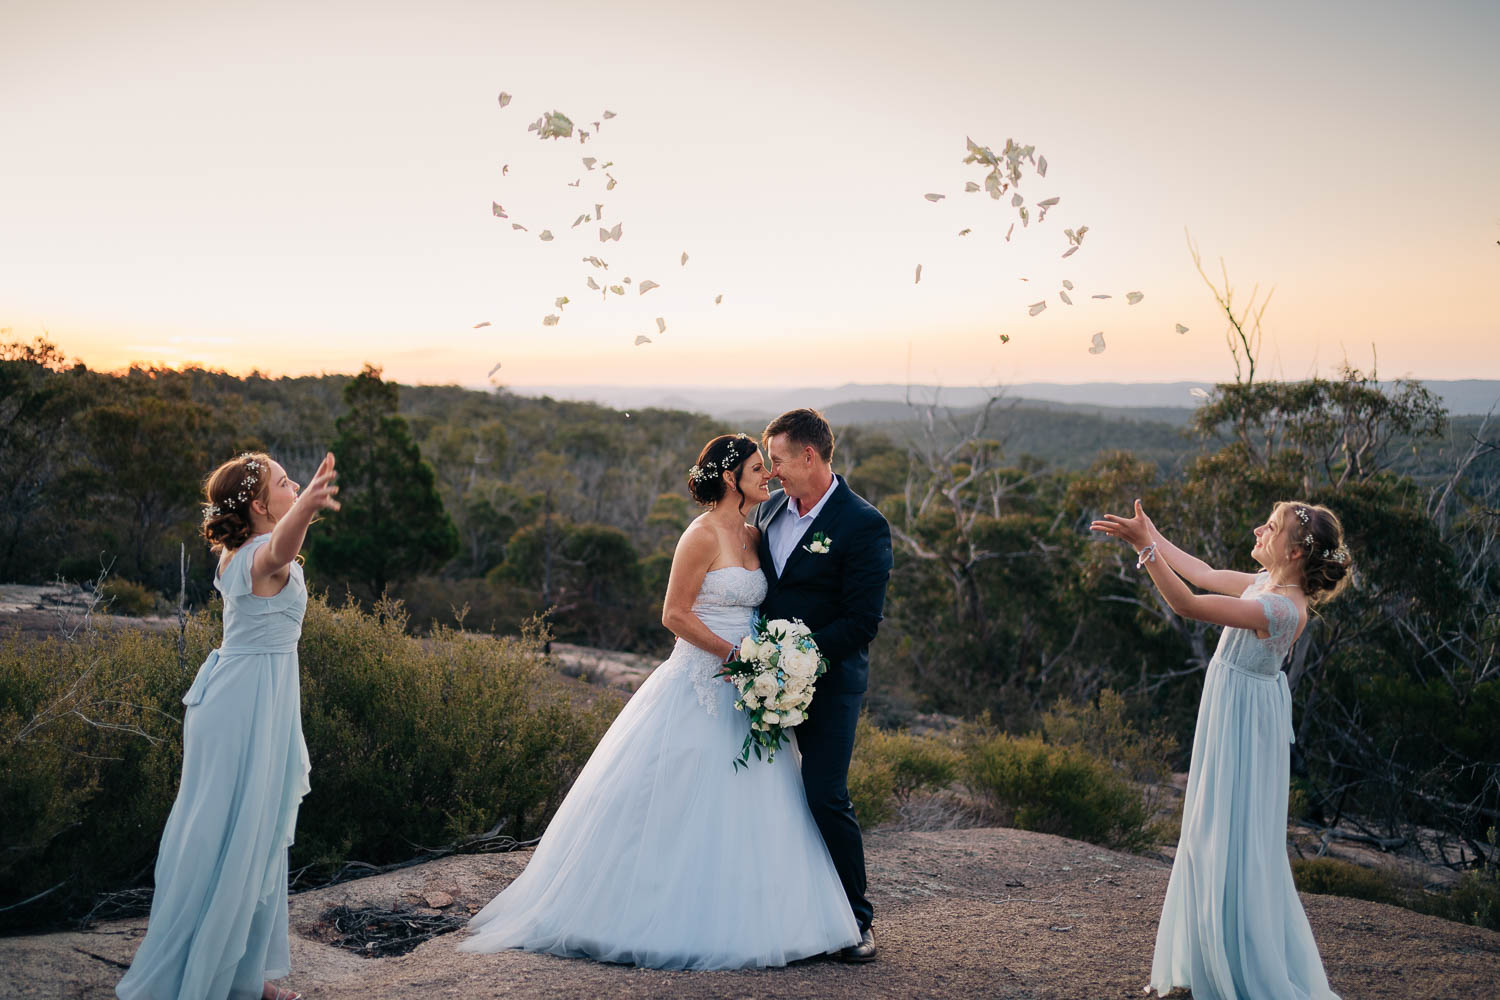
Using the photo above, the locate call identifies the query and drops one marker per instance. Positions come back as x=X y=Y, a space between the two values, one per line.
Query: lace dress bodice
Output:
x=1248 y=652
x=726 y=603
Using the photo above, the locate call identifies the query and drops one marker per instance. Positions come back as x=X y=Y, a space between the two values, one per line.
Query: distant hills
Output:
x=1165 y=402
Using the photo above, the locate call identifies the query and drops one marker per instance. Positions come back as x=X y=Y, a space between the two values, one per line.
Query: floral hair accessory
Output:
x=247 y=489
x=1339 y=555
x=710 y=469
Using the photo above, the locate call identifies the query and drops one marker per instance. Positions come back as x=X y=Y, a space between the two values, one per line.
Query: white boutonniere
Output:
x=819 y=545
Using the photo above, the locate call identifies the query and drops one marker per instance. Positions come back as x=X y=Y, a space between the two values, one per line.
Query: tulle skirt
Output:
x=663 y=856
x=1232 y=925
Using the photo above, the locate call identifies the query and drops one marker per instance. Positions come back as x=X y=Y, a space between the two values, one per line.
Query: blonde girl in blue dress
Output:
x=218 y=927
x=1232 y=925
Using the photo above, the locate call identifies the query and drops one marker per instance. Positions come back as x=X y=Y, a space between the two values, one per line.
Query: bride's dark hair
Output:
x=725 y=453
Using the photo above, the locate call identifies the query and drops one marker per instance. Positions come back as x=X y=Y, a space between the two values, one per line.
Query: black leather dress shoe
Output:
x=862 y=952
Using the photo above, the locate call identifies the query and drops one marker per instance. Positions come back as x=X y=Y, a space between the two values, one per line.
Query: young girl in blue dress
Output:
x=1232 y=925
x=218 y=926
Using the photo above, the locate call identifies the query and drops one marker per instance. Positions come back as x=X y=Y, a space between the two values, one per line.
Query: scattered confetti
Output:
x=554 y=125
x=545 y=236
x=1064 y=297
x=641 y=338
x=970 y=187
x=550 y=319
x=1133 y=297
x=504 y=100
x=626 y=279
x=594 y=284
x=965 y=232
x=1016 y=201
x=1067 y=284
x=598 y=211
x=560 y=301
x=493 y=370
x=574 y=184
x=1098 y=345
x=1197 y=392
x=612 y=182
x=718 y=299
x=1102 y=296
x=934 y=197
x=588 y=162
x=609 y=114
x=646 y=286
x=1005 y=338
x=597 y=262
x=1036 y=307
x=684 y=258
x=1041 y=166
x=611 y=234
x=478 y=326
x=661 y=325
x=579 y=221
x=1069 y=252
x=919 y=275
x=497 y=211
x=617 y=289
x=1009 y=231
x=1181 y=328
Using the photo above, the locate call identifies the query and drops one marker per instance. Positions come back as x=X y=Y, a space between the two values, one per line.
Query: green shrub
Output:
x=1034 y=785
x=1474 y=900
x=125 y=597
x=1103 y=730
x=414 y=743
x=887 y=767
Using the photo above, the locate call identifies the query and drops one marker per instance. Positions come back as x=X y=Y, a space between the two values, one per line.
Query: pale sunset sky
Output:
x=306 y=187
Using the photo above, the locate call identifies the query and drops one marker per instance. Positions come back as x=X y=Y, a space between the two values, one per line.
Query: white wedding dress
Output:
x=662 y=855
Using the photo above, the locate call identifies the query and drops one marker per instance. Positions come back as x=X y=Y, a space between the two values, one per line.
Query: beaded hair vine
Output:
x=247 y=489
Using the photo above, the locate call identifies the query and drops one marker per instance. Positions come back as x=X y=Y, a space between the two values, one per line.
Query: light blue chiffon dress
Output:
x=218 y=924
x=662 y=855
x=1232 y=927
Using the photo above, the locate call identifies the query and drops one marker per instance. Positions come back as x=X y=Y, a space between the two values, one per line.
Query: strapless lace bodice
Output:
x=726 y=603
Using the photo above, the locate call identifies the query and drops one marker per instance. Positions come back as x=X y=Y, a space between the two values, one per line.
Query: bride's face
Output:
x=754 y=480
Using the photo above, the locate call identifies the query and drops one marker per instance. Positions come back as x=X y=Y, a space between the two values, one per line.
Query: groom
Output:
x=826 y=554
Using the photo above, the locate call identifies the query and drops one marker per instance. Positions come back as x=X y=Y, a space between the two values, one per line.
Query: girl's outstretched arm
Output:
x=273 y=558
x=1192 y=569
x=1236 y=612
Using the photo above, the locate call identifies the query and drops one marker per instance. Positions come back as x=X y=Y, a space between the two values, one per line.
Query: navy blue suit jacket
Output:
x=839 y=594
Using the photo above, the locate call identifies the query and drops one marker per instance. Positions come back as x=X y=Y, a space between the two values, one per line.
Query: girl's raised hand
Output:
x=1135 y=531
x=320 y=492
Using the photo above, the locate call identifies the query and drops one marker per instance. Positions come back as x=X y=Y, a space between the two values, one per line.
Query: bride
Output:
x=661 y=855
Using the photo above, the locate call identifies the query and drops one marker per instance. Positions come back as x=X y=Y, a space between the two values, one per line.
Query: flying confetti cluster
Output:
x=1003 y=176
x=556 y=126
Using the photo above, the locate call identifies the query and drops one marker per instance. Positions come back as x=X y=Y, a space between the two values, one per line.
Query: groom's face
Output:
x=790 y=464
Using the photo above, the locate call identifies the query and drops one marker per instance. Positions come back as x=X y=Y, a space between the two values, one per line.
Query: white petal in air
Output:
x=574 y=184
x=612 y=182
x=1098 y=345
x=593 y=284
x=550 y=319
x=641 y=338
x=597 y=262
x=718 y=298
x=1005 y=338
x=661 y=325
x=626 y=279
x=556 y=125
x=545 y=236
x=617 y=289
x=934 y=197
x=1009 y=231
x=1016 y=201
x=970 y=187
x=493 y=370
x=1037 y=307
x=1067 y=284
x=1102 y=296
x=504 y=100
x=1198 y=392
x=684 y=258
x=609 y=114
x=517 y=225
x=1133 y=297
x=589 y=161
x=483 y=324
x=579 y=221
x=560 y=301
x=965 y=232
x=919 y=275
x=1070 y=251
x=497 y=211
x=647 y=285
x=1064 y=297
x=611 y=234
x=1181 y=328
x=1041 y=166
x=598 y=211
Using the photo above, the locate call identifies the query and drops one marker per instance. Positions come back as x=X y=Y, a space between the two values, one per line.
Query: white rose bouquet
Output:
x=775 y=671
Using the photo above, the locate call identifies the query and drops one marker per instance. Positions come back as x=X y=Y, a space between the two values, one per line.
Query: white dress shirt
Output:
x=788 y=527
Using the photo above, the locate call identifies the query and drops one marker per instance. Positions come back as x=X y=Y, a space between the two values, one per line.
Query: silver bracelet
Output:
x=1148 y=554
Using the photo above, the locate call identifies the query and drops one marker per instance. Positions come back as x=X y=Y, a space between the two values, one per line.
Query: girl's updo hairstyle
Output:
x=228 y=491
x=725 y=453
x=1326 y=562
